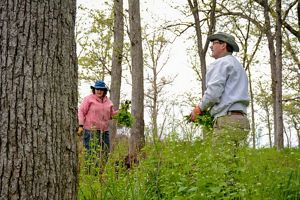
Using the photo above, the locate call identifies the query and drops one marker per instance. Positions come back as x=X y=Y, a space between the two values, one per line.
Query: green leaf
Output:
x=205 y=120
x=124 y=117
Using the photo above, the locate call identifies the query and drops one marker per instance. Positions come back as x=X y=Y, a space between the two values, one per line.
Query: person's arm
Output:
x=216 y=80
x=113 y=111
x=83 y=110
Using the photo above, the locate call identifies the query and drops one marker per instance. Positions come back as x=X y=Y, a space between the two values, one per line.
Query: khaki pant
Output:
x=231 y=131
x=229 y=137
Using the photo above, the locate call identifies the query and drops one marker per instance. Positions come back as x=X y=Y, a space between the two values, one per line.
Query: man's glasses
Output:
x=217 y=42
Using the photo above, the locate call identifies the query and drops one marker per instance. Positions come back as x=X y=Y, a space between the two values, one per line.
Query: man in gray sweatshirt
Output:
x=226 y=95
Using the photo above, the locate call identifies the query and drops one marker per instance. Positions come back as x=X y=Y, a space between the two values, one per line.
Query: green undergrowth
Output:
x=180 y=170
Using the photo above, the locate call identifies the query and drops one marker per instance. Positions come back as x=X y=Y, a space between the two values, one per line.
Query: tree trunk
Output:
x=116 y=69
x=278 y=93
x=253 y=129
x=38 y=100
x=195 y=11
x=269 y=126
x=278 y=129
x=298 y=138
x=137 y=138
x=247 y=61
x=288 y=136
x=155 y=48
x=296 y=127
x=202 y=50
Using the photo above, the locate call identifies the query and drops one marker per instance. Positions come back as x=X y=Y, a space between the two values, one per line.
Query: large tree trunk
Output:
x=38 y=100
x=137 y=138
x=116 y=69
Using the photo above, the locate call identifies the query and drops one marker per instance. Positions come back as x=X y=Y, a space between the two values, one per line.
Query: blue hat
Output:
x=99 y=85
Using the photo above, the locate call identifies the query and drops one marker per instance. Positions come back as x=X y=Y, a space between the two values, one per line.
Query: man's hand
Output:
x=80 y=131
x=195 y=112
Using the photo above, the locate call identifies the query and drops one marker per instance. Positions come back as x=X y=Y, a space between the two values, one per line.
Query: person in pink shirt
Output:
x=95 y=112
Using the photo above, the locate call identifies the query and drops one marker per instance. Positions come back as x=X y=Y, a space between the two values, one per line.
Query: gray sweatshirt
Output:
x=226 y=87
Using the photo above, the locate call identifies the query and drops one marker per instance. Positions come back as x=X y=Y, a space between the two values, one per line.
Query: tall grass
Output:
x=182 y=169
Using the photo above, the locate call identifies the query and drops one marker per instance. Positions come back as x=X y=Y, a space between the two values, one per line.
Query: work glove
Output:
x=80 y=131
x=195 y=112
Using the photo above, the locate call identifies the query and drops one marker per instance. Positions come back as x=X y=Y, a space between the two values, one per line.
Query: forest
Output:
x=51 y=52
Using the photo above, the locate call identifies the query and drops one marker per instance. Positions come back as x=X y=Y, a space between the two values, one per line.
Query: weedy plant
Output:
x=181 y=169
x=205 y=120
x=175 y=168
x=124 y=117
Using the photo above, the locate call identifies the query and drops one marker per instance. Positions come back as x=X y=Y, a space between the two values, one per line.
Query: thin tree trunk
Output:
x=272 y=53
x=247 y=60
x=269 y=126
x=137 y=138
x=298 y=137
x=296 y=127
x=202 y=50
x=278 y=92
x=38 y=79
x=253 y=129
x=201 y=53
x=154 y=108
x=116 y=68
x=155 y=47
x=288 y=138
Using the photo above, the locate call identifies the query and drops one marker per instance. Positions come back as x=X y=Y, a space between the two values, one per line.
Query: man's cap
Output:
x=229 y=39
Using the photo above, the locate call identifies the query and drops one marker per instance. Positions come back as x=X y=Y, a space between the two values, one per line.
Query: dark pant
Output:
x=92 y=140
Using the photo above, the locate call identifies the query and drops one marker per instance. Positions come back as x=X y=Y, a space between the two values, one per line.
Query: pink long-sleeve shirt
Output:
x=95 y=113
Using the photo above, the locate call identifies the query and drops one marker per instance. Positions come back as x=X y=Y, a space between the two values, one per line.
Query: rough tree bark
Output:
x=38 y=100
x=137 y=137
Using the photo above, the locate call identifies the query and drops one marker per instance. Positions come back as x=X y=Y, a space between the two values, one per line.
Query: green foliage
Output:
x=124 y=117
x=95 y=40
x=205 y=120
x=174 y=169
